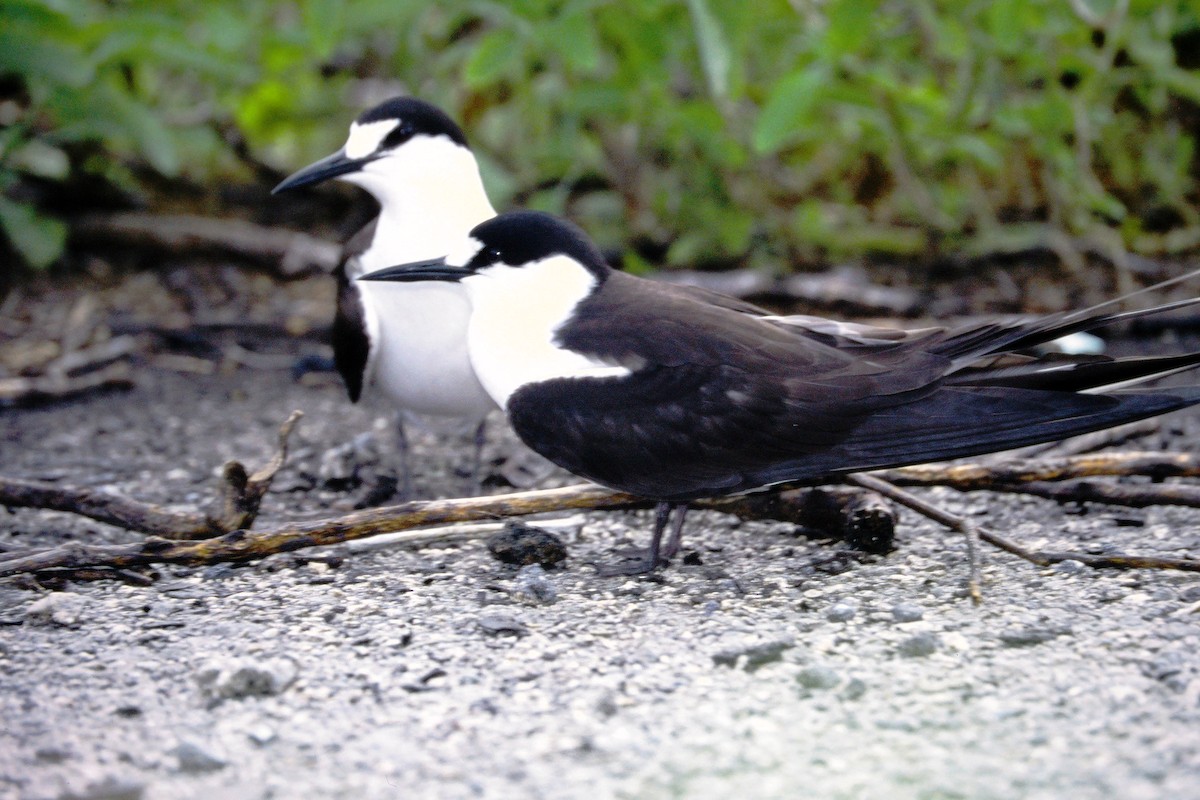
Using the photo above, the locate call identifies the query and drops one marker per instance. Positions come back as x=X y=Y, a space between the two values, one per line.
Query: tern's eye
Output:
x=486 y=257
x=399 y=135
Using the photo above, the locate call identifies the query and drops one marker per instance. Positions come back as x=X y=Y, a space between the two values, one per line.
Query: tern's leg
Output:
x=662 y=513
x=476 y=485
x=673 y=543
x=653 y=558
x=404 y=488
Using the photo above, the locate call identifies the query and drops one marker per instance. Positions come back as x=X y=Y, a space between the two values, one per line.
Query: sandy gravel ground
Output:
x=775 y=667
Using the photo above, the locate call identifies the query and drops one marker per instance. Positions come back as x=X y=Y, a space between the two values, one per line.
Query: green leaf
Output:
x=496 y=53
x=42 y=59
x=39 y=239
x=715 y=55
x=323 y=22
x=851 y=24
x=789 y=107
x=36 y=157
x=575 y=38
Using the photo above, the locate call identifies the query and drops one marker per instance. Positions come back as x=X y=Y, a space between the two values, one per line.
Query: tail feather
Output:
x=1007 y=418
x=1000 y=336
x=1074 y=374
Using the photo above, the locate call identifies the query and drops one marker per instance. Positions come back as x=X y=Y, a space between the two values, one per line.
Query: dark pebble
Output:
x=753 y=656
x=1028 y=637
x=919 y=646
x=524 y=544
x=498 y=624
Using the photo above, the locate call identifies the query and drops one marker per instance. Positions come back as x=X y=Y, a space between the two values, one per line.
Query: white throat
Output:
x=515 y=314
x=430 y=193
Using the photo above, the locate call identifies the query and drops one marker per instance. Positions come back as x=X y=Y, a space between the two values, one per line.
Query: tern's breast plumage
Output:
x=419 y=359
x=514 y=343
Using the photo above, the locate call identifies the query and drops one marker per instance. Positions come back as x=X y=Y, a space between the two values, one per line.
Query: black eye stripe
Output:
x=486 y=257
x=399 y=135
x=417 y=114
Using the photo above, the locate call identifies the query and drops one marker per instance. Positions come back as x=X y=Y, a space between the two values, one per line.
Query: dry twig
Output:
x=292 y=252
x=236 y=507
x=54 y=387
x=974 y=476
x=240 y=545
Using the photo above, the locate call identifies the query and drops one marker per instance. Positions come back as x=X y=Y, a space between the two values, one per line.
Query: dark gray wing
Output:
x=351 y=344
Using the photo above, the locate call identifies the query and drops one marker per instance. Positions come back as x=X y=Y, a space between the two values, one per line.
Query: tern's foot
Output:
x=634 y=561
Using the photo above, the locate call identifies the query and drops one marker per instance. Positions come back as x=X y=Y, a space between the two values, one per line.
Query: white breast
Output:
x=516 y=312
x=419 y=357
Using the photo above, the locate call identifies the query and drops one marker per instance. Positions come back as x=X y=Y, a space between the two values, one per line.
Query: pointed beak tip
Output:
x=332 y=166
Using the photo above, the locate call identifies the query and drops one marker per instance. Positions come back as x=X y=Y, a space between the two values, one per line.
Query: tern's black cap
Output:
x=523 y=237
x=416 y=118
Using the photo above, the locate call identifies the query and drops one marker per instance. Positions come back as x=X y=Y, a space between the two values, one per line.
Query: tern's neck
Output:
x=425 y=206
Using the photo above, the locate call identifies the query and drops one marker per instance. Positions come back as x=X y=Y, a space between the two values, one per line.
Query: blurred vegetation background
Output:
x=773 y=134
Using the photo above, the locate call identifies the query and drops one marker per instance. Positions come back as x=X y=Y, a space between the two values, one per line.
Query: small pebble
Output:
x=818 y=677
x=57 y=608
x=194 y=758
x=919 y=646
x=1070 y=566
x=497 y=624
x=110 y=788
x=753 y=655
x=534 y=587
x=841 y=612
x=907 y=612
x=52 y=755
x=262 y=735
x=854 y=689
x=237 y=678
x=1027 y=637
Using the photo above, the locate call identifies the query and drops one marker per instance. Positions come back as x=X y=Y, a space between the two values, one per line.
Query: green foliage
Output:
x=699 y=131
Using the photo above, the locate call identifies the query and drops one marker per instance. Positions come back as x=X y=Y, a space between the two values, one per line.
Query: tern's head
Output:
x=403 y=144
x=528 y=248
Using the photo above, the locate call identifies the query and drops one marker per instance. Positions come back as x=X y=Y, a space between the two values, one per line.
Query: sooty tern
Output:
x=648 y=389
x=407 y=340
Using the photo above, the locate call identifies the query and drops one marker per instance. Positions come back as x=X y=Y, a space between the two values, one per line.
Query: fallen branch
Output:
x=790 y=506
x=292 y=252
x=1114 y=494
x=236 y=507
x=974 y=476
x=1041 y=558
x=25 y=392
x=864 y=519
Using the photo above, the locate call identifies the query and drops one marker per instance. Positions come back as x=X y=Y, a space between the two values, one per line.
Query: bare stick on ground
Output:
x=236 y=506
x=292 y=252
x=43 y=389
x=241 y=545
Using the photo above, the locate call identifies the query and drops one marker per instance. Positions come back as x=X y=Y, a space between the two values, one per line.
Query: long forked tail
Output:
x=1002 y=336
x=957 y=422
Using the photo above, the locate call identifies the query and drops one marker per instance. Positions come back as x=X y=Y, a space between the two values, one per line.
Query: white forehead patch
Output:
x=366 y=138
x=463 y=252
